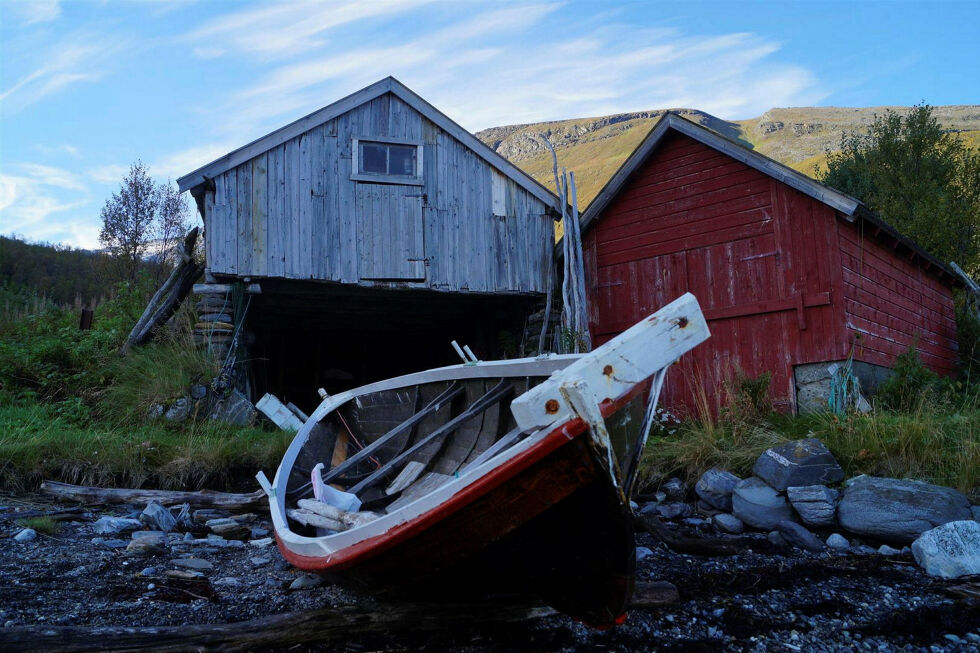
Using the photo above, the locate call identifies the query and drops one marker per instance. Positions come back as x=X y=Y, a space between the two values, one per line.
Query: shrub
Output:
x=911 y=383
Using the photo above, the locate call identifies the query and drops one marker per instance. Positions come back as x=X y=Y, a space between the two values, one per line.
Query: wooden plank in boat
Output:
x=495 y=448
x=434 y=406
x=428 y=483
x=458 y=447
x=406 y=477
x=339 y=450
x=492 y=397
x=488 y=433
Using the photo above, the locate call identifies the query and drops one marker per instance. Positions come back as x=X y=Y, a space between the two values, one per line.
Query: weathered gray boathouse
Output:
x=377 y=230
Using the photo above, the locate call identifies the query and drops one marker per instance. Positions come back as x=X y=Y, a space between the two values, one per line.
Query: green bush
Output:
x=911 y=383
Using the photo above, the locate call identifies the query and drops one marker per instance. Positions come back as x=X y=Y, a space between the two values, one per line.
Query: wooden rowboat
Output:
x=497 y=475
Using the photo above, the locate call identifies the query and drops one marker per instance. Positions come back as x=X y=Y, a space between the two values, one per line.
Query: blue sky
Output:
x=87 y=87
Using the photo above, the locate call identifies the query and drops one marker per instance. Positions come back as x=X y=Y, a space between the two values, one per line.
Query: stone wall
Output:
x=812 y=382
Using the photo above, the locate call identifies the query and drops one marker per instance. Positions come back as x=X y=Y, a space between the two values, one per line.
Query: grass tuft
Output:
x=45 y=525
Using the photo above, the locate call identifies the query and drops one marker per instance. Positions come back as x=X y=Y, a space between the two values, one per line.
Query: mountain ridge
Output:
x=594 y=147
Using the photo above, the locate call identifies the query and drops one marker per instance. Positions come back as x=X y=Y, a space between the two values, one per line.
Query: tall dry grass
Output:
x=937 y=440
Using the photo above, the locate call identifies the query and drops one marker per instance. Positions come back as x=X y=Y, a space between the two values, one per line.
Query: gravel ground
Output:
x=750 y=602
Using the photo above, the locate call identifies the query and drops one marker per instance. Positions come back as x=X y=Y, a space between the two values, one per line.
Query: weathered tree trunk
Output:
x=171 y=294
x=697 y=546
x=199 y=499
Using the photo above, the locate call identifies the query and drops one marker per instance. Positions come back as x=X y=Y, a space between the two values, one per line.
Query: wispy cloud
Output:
x=112 y=173
x=286 y=28
x=79 y=58
x=53 y=176
x=35 y=11
x=35 y=203
x=178 y=164
x=64 y=148
x=483 y=79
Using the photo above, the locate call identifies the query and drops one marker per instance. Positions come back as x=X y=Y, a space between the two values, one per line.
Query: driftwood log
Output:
x=694 y=545
x=171 y=294
x=322 y=627
x=57 y=515
x=200 y=499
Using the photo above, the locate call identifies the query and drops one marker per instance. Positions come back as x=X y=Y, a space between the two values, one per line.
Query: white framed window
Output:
x=386 y=160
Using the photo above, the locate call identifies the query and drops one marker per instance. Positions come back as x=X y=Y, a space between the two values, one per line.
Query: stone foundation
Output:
x=812 y=382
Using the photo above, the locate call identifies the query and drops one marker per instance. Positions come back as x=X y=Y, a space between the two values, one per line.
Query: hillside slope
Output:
x=594 y=148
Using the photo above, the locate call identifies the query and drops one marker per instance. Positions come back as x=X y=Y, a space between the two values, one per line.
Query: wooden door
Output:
x=389 y=232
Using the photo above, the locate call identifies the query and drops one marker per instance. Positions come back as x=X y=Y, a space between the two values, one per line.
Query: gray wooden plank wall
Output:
x=292 y=212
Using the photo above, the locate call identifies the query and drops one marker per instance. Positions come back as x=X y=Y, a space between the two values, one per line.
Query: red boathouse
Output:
x=791 y=274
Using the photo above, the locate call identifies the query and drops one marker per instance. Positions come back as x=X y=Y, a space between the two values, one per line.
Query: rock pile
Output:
x=792 y=491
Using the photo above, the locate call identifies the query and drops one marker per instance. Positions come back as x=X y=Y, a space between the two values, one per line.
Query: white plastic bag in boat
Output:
x=336 y=498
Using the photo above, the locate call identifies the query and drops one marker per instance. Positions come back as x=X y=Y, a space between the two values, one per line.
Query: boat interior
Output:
x=389 y=448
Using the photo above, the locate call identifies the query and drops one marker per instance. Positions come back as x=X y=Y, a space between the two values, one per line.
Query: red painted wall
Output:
x=889 y=299
x=767 y=263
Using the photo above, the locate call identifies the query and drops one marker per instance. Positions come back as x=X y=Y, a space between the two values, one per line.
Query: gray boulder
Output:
x=799 y=536
x=715 y=488
x=976 y=512
x=178 y=411
x=898 y=511
x=838 y=541
x=306 y=581
x=674 y=510
x=728 y=523
x=25 y=535
x=949 y=551
x=777 y=540
x=674 y=489
x=159 y=517
x=798 y=463
x=815 y=504
x=113 y=525
x=758 y=505
x=148 y=543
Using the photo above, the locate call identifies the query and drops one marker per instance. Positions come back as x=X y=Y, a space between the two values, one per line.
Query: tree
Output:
x=918 y=177
x=143 y=219
x=171 y=224
x=128 y=219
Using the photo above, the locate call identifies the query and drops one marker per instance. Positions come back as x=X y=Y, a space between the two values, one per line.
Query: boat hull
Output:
x=549 y=523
